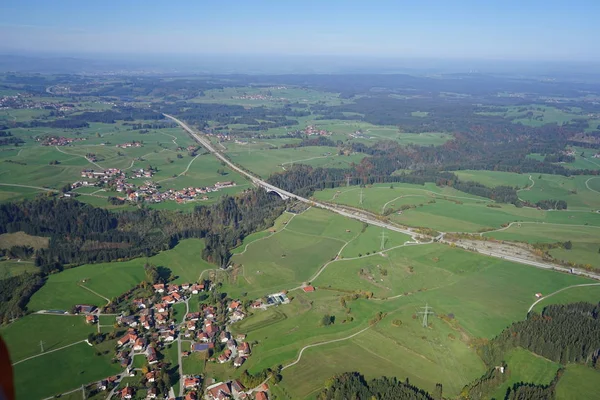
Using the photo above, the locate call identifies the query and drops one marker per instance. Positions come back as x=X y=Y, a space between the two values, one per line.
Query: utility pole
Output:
x=425 y=314
x=382 y=239
x=348 y=181
x=42 y=346
x=361 y=197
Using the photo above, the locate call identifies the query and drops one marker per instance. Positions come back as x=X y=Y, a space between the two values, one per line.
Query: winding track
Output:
x=321 y=344
x=558 y=291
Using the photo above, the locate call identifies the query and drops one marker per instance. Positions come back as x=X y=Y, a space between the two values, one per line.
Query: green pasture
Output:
x=578 y=382
x=193 y=364
x=7 y=240
x=79 y=365
x=494 y=178
x=266 y=162
x=370 y=241
x=10 y=268
x=524 y=366
x=377 y=198
x=274 y=96
x=23 y=336
x=537 y=115
x=63 y=290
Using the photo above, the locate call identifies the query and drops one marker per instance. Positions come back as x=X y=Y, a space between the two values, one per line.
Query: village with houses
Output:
x=117 y=180
x=147 y=327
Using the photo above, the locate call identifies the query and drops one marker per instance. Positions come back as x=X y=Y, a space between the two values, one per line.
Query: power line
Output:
x=42 y=346
x=361 y=197
x=425 y=314
x=382 y=239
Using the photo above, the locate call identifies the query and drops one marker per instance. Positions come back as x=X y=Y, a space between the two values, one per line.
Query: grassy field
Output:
x=537 y=115
x=79 y=364
x=494 y=178
x=578 y=382
x=524 y=366
x=63 y=290
x=24 y=335
x=193 y=364
x=292 y=255
x=449 y=210
x=10 y=268
x=7 y=240
x=266 y=162
x=482 y=294
x=30 y=164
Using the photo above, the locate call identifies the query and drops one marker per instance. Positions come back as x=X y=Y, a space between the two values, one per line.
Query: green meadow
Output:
x=79 y=365
x=578 y=382
x=265 y=162
x=478 y=296
x=526 y=367
x=63 y=290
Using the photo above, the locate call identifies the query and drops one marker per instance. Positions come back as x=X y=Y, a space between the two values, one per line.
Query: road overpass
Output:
x=359 y=216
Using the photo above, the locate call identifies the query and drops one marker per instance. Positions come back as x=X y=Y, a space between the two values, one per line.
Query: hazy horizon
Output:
x=472 y=30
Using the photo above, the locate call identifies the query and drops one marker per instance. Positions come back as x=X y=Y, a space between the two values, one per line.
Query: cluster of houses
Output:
x=312 y=130
x=129 y=145
x=149 y=191
x=58 y=140
x=234 y=390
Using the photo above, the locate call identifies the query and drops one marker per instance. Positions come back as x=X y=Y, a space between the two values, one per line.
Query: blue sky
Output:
x=487 y=29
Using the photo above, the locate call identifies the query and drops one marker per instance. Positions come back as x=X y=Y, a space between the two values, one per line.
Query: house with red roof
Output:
x=308 y=288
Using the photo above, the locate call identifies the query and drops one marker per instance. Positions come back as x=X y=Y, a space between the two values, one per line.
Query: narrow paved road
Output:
x=356 y=214
x=560 y=290
x=321 y=344
x=47 y=352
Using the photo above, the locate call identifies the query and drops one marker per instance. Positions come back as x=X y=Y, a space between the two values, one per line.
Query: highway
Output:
x=361 y=217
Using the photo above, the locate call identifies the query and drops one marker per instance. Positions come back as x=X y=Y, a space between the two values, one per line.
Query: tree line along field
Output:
x=63 y=290
x=265 y=162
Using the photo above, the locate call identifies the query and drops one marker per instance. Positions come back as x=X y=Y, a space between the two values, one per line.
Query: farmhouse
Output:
x=225 y=356
x=90 y=319
x=238 y=361
x=84 y=308
x=261 y=396
x=127 y=392
x=191 y=382
x=191 y=396
x=151 y=376
x=308 y=288
x=219 y=391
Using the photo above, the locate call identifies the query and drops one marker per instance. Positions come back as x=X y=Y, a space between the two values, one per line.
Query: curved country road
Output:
x=560 y=290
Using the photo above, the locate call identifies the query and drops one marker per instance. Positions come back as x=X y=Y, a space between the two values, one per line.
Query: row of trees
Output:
x=80 y=233
x=352 y=385
x=562 y=333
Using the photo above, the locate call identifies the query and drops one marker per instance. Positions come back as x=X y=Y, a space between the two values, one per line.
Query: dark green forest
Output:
x=80 y=233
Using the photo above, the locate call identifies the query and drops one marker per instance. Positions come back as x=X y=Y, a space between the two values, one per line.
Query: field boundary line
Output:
x=441 y=196
x=321 y=344
x=558 y=291
x=29 y=186
x=96 y=293
x=181 y=173
x=588 y=186
x=263 y=238
x=78 y=155
x=47 y=352
x=533 y=223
